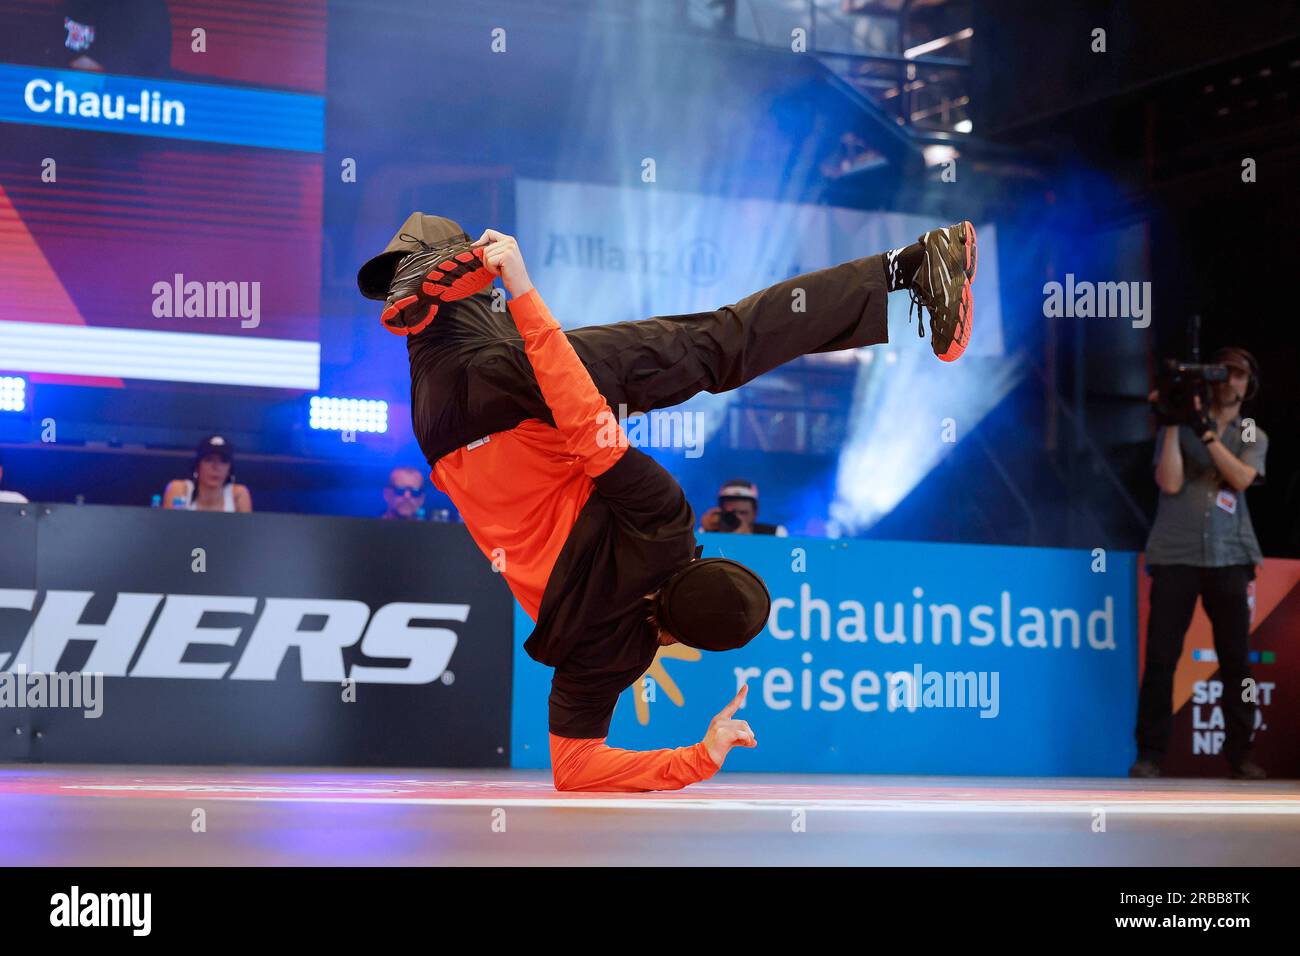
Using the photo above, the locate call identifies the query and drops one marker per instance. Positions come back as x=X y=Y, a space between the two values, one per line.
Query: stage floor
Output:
x=114 y=816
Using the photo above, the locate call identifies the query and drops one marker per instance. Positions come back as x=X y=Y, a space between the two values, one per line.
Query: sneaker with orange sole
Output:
x=943 y=286
x=444 y=272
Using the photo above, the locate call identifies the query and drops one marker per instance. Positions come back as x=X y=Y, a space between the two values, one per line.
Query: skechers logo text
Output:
x=315 y=631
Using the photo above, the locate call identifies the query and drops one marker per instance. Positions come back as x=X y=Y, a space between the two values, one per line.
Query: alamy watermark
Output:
x=656 y=429
x=36 y=690
x=180 y=299
x=76 y=908
x=1102 y=300
x=944 y=689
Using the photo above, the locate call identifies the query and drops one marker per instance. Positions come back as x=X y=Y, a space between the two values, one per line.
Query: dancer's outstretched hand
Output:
x=725 y=733
x=502 y=258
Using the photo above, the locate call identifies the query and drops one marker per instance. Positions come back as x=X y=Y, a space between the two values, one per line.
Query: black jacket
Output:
x=635 y=530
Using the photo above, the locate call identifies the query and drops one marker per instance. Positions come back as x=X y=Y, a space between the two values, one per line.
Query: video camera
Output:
x=1179 y=385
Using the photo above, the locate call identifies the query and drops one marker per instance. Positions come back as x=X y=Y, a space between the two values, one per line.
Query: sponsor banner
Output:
x=1196 y=740
x=133 y=635
x=897 y=657
x=105 y=102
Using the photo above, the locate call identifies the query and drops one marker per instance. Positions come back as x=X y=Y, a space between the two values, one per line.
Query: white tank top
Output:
x=227 y=497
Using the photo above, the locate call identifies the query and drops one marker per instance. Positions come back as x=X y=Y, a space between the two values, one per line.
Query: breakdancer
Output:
x=595 y=539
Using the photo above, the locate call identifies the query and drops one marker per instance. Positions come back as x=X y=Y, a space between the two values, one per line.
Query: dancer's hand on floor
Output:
x=502 y=258
x=725 y=733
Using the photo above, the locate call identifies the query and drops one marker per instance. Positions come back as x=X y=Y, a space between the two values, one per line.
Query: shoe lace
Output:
x=916 y=303
x=437 y=246
x=407 y=237
x=410 y=266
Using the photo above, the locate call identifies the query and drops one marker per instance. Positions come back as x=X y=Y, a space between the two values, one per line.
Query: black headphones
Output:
x=1226 y=355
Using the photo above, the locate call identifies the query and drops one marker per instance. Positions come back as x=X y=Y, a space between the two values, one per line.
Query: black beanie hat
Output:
x=714 y=605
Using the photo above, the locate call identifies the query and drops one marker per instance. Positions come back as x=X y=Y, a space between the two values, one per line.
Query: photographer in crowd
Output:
x=737 y=511
x=1203 y=545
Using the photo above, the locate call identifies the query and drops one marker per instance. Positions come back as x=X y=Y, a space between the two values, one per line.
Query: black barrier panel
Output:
x=227 y=639
x=17 y=581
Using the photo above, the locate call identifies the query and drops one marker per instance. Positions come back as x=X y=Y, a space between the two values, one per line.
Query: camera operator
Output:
x=737 y=511
x=1202 y=544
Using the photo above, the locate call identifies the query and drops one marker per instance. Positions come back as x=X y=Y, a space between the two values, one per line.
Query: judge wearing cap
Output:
x=211 y=485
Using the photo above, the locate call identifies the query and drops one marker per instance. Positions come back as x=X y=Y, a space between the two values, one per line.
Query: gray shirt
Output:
x=1194 y=526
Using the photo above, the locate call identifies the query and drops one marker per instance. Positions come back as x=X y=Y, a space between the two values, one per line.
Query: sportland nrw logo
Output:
x=806 y=621
x=280 y=626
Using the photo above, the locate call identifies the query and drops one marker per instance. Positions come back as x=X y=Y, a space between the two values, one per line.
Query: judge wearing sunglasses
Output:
x=404 y=494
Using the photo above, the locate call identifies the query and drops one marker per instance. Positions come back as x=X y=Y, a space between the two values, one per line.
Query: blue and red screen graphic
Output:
x=161 y=191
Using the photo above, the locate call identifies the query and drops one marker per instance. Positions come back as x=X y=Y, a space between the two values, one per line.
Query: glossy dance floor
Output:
x=108 y=816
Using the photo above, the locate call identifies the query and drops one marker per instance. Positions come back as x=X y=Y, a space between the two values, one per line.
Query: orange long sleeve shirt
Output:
x=521 y=493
